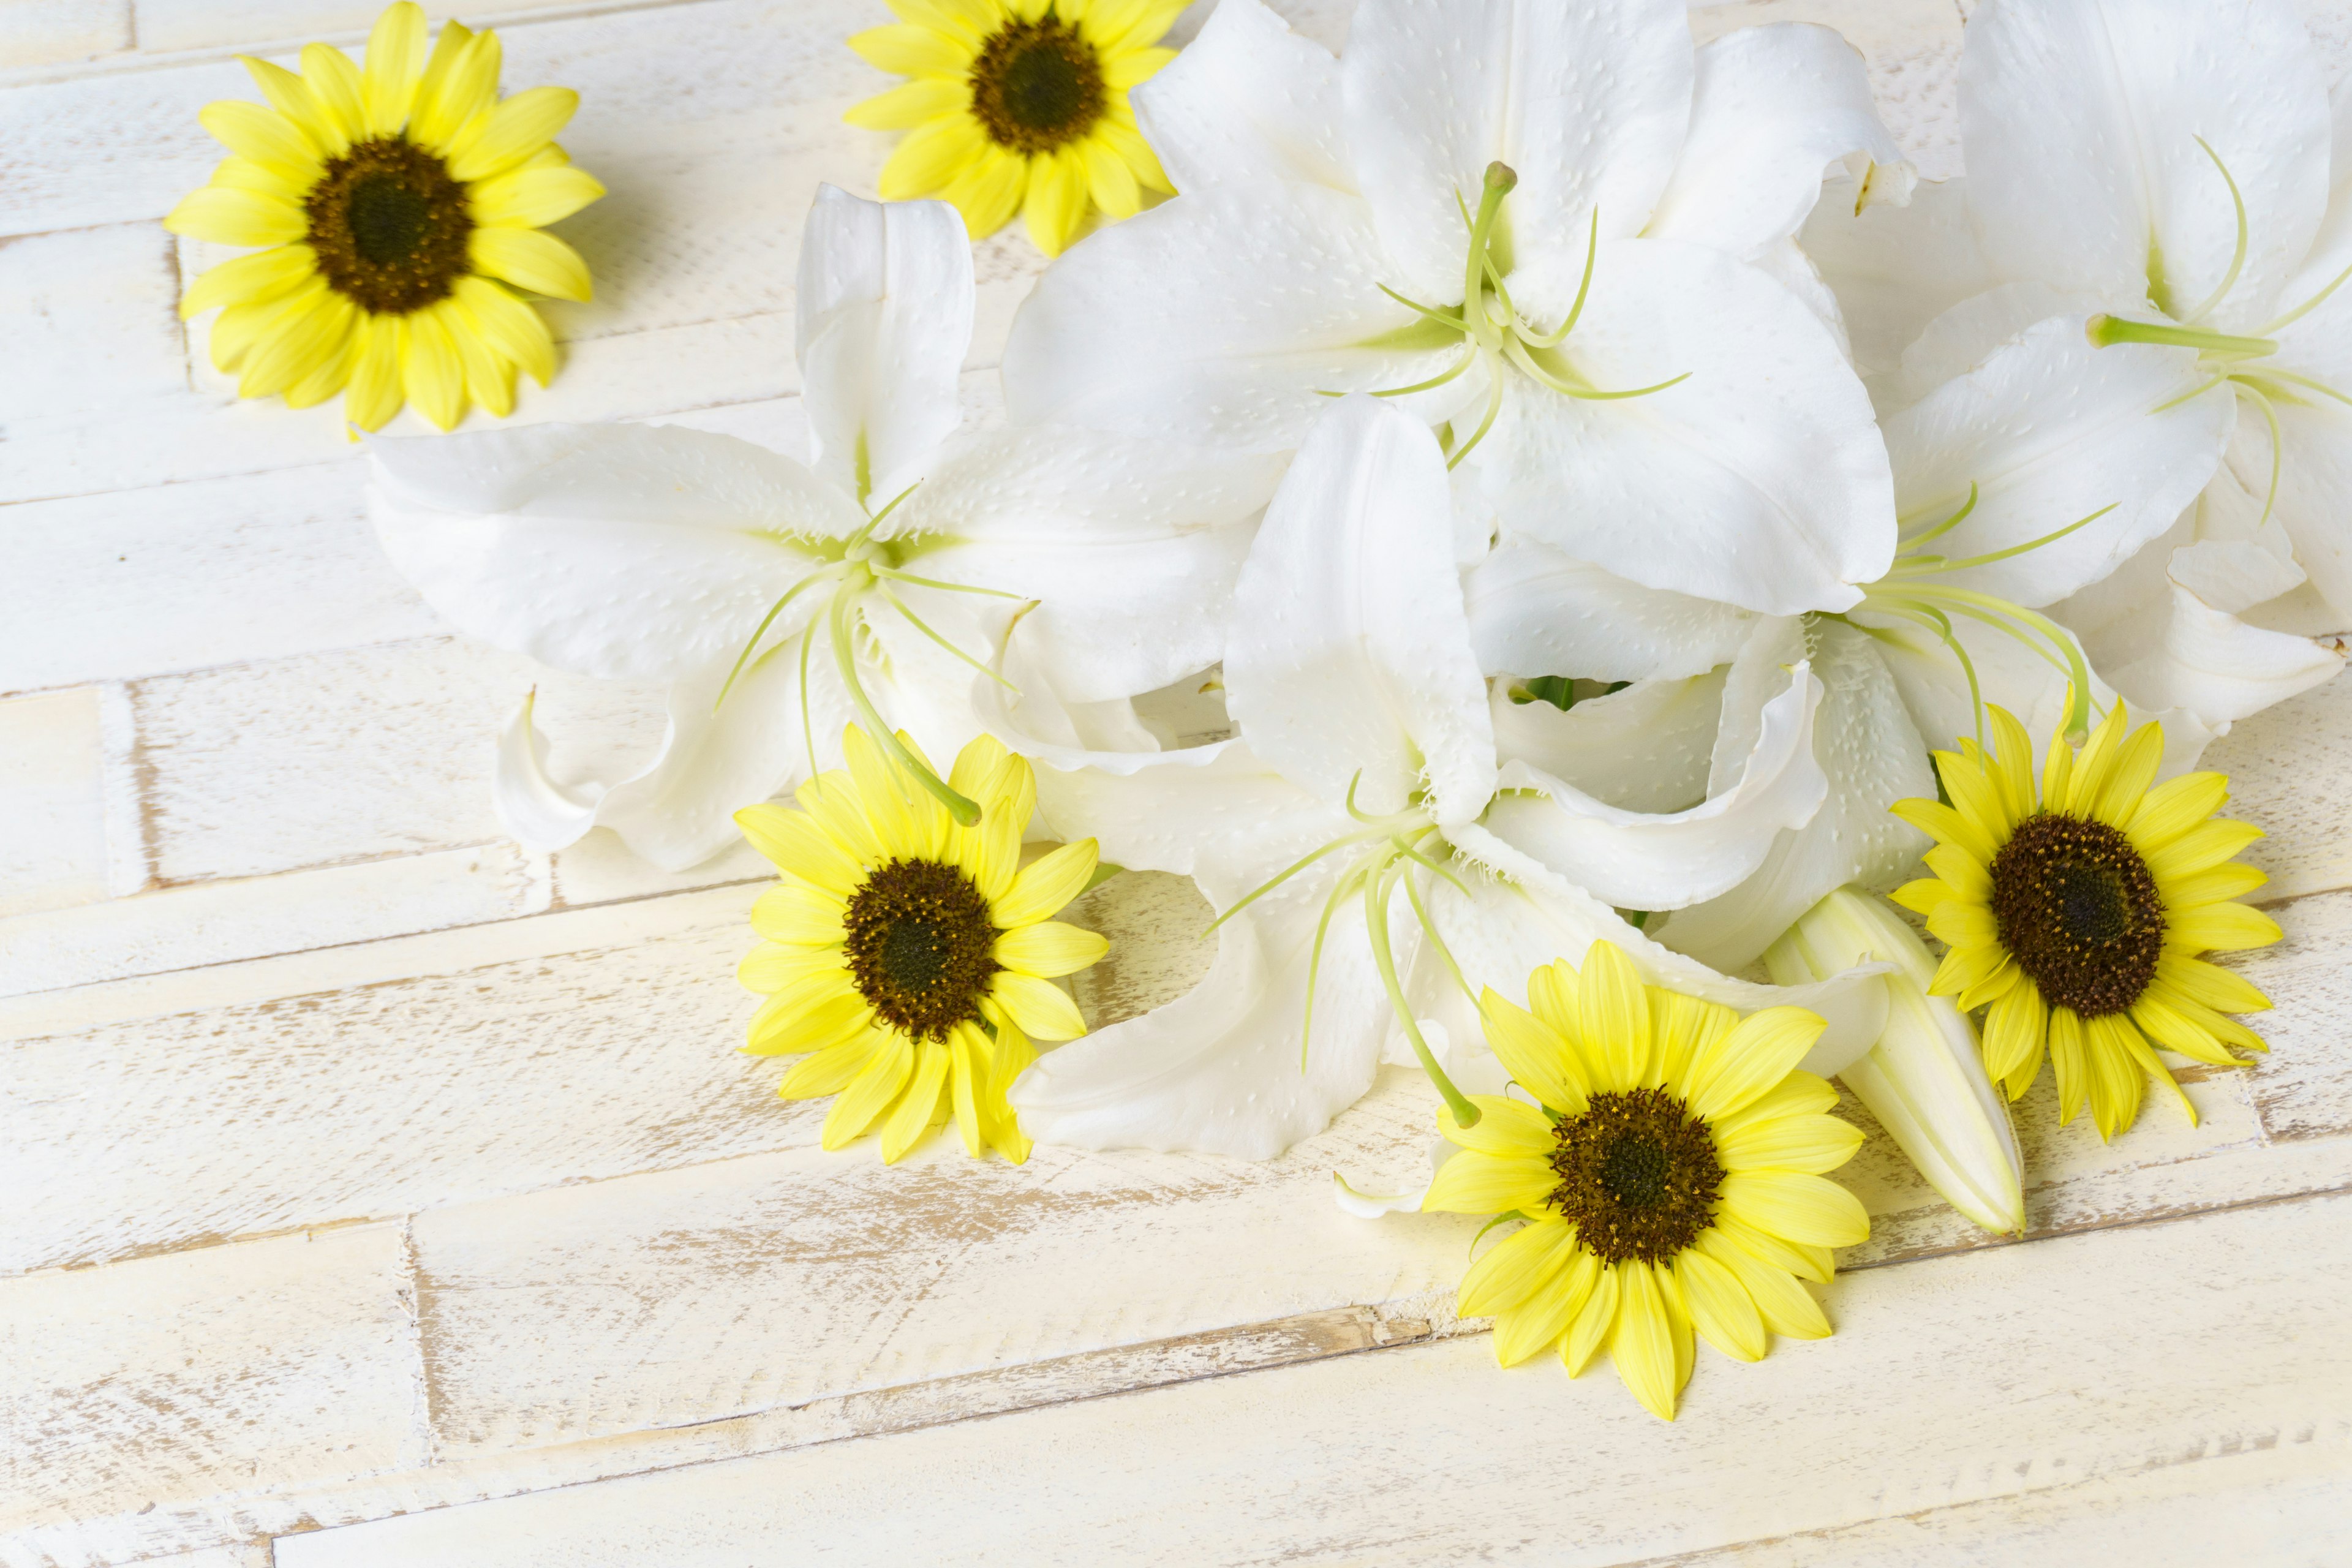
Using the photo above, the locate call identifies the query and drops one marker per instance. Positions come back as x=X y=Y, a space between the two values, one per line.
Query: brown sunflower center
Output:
x=1037 y=85
x=1638 y=1175
x=2077 y=908
x=919 y=942
x=389 y=225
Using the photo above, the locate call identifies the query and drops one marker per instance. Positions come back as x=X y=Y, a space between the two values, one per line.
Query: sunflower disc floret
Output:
x=908 y=956
x=2076 y=909
x=1670 y=1176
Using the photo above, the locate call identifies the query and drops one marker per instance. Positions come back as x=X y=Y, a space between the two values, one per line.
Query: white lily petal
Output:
x=1129 y=546
x=1759 y=481
x=719 y=757
x=1646 y=748
x=1536 y=611
x=1771 y=109
x=628 y=551
x=537 y=810
x=1872 y=756
x=2314 y=494
x=1649 y=861
x=2079 y=122
x=2051 y=430
x=1893 y=268
x=1589 y=103
x=1961 y=338
x=1218 y=1070
x=884 y=316
x=1190 y=323
x=1247 y=100
x=2205 y=658
x=1349 y=653
x=1501 y=931
x=1372 y=1206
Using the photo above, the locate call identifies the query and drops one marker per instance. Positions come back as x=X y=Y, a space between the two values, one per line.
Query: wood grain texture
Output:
x=2063 y=1362
x=176 y=1378
x=52 y=801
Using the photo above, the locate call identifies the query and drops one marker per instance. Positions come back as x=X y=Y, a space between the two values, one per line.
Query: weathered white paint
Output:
x=41 y=32
x=176 y=1378
x=52 y=801
x=2078 y=1361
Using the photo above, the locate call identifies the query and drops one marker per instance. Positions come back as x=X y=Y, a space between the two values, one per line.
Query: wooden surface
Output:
x=383 y=1194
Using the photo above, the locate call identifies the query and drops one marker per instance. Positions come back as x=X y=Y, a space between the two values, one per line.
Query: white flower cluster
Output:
x=1590 y=516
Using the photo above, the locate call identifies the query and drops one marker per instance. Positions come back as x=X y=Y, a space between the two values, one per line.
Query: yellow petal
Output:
x=1643 y=1343
x=395 y=58
x=1551 y=996
x=1056 y=202
x=1049 y=948
x=250 y=279
x=1533 y=1053
x=1612 y=1018
x=2200 y=849
x=1013 y=1053
x=1514 y=1267
x=1928 y=893
x=263 y=135
x=873 y=1090
x=460 y=82
x=531 y=258
x=774 y=967
x=2068 y=1061
x=831 y=1071
x=2011 y=763
x=1046 y=884
x=529 y=198
x=988 y=191
x=1750 y=1058
x=490 y=377
x=1109 y=182
x=907 y=50
x=515 y=130
x=2175 y=806
x=328 y=375
x=1043 y=1010
x=1941 y=822
x=1805 y=1208
x=1592 y=1327
x=1786 y=1306
x=1798 y=1094
x=374 y=393
x=430 y=370
x=813 y=1013
x=2176 y=1028
x=1134 y=67
x=1483 y=1183
x=2092 y=766
x=798 y=847
x=2209 y=983
x=335 y=86
x=2128 y=777
x=800 y=914
x=919 y=1106
x=910 y=104
x=929 y=156
x=1538 y=1322
x=2214 y=885
x=967 y=1082
x=2225 y=928
x=2013 y=1034
x=1974 y=795
x=1805 y=1260
x=1721 y=1308
x=511 y=328
x=2116 y=1080
x=240 y=329
x=287 y=95
x=1682 y=1029
x=1505 y=1127
x=1813 y=1144
x=230 y=216
x=304 y=339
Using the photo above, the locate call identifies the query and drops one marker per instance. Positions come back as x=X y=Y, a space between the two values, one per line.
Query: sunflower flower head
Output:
x=1670 y=1176
x=2075 y=909
x=400 y=204
x=911 y=957
x=1018 y=106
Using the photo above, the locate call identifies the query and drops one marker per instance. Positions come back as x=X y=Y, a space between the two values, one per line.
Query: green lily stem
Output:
x=2105 y=331
x=964 y=810
x=1376 y=919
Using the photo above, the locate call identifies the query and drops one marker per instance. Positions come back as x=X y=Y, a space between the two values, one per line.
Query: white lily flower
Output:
x=780 y=601
x=2159 y=183
x=1552 y=231
x=1360 y=898
x=1925 y=1079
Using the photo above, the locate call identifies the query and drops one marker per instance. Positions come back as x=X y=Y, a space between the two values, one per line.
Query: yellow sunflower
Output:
x=402 y=206
x=1019 y=105
x=1670 y=1176
x=911 y=956
x=2077 y=914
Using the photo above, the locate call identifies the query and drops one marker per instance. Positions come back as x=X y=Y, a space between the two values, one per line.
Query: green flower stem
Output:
x=1376 y=921
x=2105 y=331
x=845 y=656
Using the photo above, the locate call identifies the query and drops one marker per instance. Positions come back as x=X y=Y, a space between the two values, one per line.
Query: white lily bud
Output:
x=1925 y=1080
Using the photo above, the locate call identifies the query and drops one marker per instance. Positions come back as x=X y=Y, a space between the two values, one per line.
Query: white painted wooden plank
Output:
x=2304 y=1087
x=2266 y=1507
x=220 y=923
x=43 y=31
x=170 y=1378
x=2275 y=761
x=52 y=801
x=356 y=753
x=2042 y=1359
x=168 y=25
